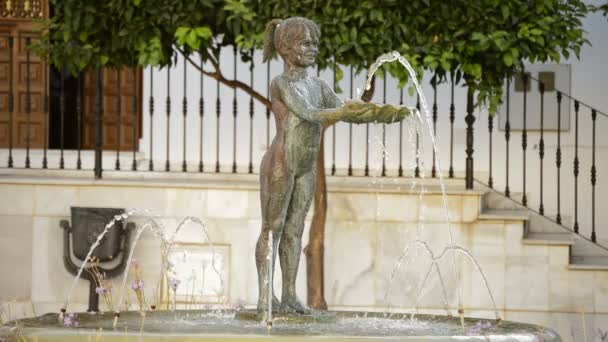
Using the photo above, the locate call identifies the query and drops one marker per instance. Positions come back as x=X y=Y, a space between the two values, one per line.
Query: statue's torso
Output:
x=298 y=138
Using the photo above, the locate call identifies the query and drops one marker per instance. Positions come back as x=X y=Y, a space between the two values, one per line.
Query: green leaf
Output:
x=478 y=36
x=82 y=36
x=203 y=32
x=192 y=40
x=505 y=11
x=181 y=31
x=445 y=65
x=507 y=59
x=411 y=90
x=428 y=60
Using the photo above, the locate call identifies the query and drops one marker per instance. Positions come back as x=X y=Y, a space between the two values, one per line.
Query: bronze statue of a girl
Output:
x=302 y=105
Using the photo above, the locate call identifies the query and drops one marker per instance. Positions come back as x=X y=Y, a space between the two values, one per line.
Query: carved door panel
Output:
x=121 y=125
x=17 y=21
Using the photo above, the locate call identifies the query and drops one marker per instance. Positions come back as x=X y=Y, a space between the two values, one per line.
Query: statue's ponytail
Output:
x=269 y=48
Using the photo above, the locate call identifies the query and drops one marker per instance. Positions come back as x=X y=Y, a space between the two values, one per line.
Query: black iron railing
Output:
x=584 y=114
x=547 y=198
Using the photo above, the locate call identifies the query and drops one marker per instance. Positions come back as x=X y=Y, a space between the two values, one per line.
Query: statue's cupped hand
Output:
x=363 y=112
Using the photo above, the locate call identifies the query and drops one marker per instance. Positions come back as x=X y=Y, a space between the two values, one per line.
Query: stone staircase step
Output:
x=554 y=239
x=542 y=230
x=493 y=200
x=503 y=214
x=588 y=263
x=544 y=224
x=584 y=248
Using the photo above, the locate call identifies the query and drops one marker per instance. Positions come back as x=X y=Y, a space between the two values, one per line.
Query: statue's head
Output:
x=296 y=40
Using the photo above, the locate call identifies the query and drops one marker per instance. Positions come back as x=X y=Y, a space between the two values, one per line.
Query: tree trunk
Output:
x=315 y=249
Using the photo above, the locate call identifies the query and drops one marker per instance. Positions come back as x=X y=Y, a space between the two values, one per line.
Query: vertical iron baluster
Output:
x=118 y=105
x=45 y=113
x=576 y=164
x=251 y=115
x=366 y=171
x=490 y=131
x=524 y=138
x=98 y=123
x=401 y=137
x=417 y=169
x=62 y=116
x=434 y=85
x=28 y=104
x=11 y=103
x=79 y=119
x=268 y=109
x=452 y=118
x=541 y=144
x=151 y=110
x=185 y=115
x=168 y=110
x=218 y=106
x=333 y=127
x=201 y=114
x=135 y=121
x=383 y=174
x=558 y=156
x=350 y=130
x=593 y=177
x=470 y=120
x=234 y=111
x=507 y=138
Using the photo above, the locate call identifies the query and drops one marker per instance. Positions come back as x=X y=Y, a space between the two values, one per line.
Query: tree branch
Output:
x=217 y=75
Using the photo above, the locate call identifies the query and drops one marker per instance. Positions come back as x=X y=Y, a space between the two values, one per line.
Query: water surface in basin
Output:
x=230 y=326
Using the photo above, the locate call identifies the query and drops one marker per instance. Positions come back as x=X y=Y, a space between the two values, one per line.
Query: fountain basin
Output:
x=205 y=325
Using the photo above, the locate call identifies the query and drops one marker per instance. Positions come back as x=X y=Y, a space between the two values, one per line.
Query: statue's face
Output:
x=304 y=51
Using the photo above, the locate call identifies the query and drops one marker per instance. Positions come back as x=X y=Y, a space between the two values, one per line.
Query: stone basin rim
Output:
x=48 y=325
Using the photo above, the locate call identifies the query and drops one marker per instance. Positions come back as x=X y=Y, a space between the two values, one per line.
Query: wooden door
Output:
x=17 y=21
x=121 y=124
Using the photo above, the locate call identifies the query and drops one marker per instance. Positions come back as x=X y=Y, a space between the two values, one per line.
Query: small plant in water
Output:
x=479 y=328
x=174 y=282
x=104 y=285
x=138 y=285
x=71 y=321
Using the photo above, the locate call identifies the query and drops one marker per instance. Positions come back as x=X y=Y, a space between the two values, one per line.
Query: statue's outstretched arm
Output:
x=355 y=111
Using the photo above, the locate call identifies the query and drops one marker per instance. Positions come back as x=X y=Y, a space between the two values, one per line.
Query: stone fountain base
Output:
x=208 y=325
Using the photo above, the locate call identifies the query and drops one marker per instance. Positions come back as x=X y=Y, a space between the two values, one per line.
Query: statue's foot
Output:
x=294 y=307
x=263 y=305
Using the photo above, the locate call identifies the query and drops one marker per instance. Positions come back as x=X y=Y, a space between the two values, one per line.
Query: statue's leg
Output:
x=290 y=246
x=276 y=188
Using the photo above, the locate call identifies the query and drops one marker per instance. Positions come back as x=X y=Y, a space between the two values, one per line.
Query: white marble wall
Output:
x=366 y=233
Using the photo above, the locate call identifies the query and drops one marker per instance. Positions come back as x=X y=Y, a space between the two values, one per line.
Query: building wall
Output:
x=367 y=231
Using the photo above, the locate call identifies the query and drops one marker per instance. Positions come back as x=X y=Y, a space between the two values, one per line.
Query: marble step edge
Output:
x=554 y=239
x=589 y=263
x=503 y=214
x=396 y=185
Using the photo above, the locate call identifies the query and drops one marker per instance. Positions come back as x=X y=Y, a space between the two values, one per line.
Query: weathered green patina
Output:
x=302 y=105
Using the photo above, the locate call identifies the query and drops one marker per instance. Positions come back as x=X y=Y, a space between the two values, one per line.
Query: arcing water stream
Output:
x=166 y=246
x=395 y=56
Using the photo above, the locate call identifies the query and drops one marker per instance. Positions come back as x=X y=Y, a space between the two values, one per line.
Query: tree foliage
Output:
x=602 y=8
x=481 y=42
